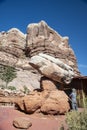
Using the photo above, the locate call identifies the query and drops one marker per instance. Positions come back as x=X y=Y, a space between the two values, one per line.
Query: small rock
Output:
x=22 y=123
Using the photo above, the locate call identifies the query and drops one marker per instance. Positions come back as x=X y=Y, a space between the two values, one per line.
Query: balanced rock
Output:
x=52 y=68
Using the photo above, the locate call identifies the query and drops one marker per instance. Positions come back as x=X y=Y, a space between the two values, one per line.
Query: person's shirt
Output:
x=73 y=97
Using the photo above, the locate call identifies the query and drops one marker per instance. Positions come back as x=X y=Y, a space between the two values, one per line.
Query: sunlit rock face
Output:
x=52 y=68
x=47 y=46
x=42 y=52
x=43 y=39
x=12 y=53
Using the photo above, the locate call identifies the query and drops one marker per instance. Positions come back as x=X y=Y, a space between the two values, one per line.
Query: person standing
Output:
x=73 y=99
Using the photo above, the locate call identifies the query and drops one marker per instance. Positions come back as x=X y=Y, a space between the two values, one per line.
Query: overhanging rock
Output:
x=52 y=68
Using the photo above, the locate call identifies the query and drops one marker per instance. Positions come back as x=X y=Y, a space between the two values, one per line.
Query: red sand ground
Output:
x=39 y=122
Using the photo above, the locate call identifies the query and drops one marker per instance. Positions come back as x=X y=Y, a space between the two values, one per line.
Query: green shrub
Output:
x=7 y=74
x=12 y=87
x=26 y=90
x=77 y=120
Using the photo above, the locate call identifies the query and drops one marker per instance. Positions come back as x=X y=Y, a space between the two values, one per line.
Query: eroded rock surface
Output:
x=17 y=49
x=52 y=68
x=12 y=53
x=43 y=39
x=41 y=52
x=49 y=101
x=22 y=123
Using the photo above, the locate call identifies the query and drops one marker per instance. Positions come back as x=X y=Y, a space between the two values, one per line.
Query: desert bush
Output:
x=26 y=90
x=77 y=120
x=12 y=87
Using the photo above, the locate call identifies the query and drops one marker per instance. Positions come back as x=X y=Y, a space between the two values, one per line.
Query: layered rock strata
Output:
x=17 y=49
x=43 y=39
x=52 y=68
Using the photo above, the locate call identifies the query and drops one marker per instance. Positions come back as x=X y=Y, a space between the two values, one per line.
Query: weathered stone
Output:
x=52 y=68
x=47 y=84
x=13 y=42
x=22 y=123
x=43 y=39
x=40 y=38
x=26 y=78
x=47 y=52
x=56 y=103
x=12 y=53
x=31 y=103
x=47 y=101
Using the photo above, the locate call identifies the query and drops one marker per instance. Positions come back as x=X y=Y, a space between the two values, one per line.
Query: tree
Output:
x=7 y=74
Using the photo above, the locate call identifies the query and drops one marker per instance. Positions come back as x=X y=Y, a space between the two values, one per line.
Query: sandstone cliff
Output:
x=42 y=38
x=17 y=49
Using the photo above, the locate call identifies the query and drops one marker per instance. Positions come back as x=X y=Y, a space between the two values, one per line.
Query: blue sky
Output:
x=67 y=17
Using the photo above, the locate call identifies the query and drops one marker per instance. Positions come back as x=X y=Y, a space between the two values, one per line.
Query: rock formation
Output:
x=41 y=52
x=17 y=49
x=12 y=44
x=52 y=68
x=48 y=100
x=43 y=39
x=12 y=53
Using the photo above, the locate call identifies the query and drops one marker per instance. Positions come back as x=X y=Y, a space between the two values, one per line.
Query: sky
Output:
x=67 y=17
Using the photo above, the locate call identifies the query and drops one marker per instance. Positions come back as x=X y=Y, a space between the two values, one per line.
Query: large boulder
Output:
x=48 y=102
x=56 y=103
x=30 y=103
x=52 y=68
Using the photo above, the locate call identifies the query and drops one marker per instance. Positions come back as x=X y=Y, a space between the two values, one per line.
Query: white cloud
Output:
x=82 y=66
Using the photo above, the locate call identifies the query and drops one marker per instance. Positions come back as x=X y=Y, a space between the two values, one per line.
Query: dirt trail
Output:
x=39 y=121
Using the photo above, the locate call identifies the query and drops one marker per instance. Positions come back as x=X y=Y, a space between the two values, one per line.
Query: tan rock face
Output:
x=47 y=84
x=40 y=38
x=13 y=42
x=12 y=53
x=57 y=103
x=43 y=39
x=47 y=52
x=49 y=101
x=53 y=102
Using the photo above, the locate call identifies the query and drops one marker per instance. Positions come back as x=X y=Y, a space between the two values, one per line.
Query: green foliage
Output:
x=12 y=87
x=26 y=90
x=77 y=120
x=7 y=74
